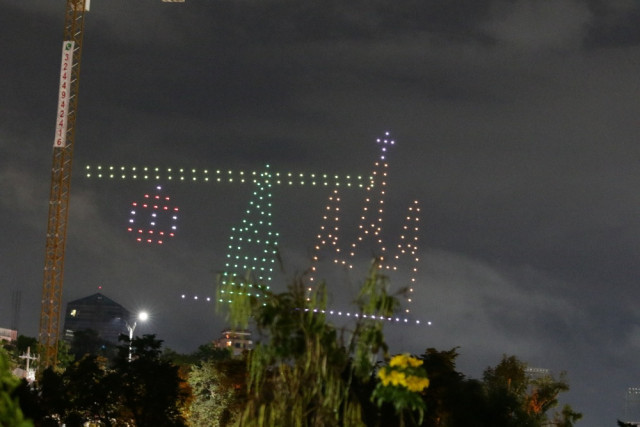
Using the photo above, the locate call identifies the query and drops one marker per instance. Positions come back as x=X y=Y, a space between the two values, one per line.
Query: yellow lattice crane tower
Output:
x=61 y=180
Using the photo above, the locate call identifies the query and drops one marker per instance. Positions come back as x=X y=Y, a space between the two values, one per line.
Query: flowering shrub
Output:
x=401 y=383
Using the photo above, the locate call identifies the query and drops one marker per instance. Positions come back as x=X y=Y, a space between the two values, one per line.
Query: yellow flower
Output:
x=382 y=373
x=397 y=378
x=400 y=361
x=417 y=384
x=414 y=362
x=404 y=360
x=392 y=377
x=395 y=374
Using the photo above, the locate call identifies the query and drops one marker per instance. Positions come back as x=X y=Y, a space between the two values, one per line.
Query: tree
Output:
x=451 y=399
x=149 y=388
x=505 y=397
x=506 y=387
x=65 y=357
x=72 y=397
x=304 y=374
x=566 y=418
x=88 y=392
x=14 y=349
x=509 y=374
x=514 y=399
x=53 y=401
x=23 y=342
x=144 y=392
x=10 y=411
x=219 y=388
x=204 y=353
x=19 y=347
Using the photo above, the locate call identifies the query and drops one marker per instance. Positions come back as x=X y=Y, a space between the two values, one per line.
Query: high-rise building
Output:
x=96 y=312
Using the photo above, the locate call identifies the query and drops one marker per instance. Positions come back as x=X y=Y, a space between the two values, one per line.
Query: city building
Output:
x=8 y=334
x=96 y=312
x=236 y=341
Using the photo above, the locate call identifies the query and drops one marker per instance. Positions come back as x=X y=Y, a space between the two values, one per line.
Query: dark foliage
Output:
x=149 y=387
x=144 y=392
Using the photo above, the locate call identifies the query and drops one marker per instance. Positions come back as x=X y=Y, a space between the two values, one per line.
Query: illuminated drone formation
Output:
x=253 y=243
x=219 y=176
x=153 y=219
x=369 y=229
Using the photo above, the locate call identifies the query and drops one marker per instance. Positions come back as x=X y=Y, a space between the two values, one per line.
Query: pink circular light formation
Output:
x=153 y=219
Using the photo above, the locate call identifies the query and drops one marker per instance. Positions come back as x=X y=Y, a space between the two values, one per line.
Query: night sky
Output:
x=516 y=128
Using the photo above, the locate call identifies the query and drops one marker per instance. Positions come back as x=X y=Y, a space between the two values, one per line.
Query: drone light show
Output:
x=370 y=228
x=253 y=243
x=153 y=219
x=219 y=176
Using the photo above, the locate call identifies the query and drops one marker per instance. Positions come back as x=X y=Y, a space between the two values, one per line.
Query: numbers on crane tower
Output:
x=60 y=139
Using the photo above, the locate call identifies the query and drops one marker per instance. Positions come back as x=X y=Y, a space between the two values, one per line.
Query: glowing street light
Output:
x=142 y=316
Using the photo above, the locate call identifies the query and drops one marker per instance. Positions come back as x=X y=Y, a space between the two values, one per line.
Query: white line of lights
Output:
x=223 y=176
x=337 y=313
x=365 y=316
x=196 y=298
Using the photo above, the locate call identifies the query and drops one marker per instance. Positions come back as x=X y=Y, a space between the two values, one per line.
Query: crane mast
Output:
x=61 y=181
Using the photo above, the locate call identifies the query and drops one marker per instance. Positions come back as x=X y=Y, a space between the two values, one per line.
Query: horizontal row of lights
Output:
x=335 y=313
x=228 y=176
x=365 y=316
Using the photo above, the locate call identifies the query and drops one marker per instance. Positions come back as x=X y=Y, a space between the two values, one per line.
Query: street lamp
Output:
x=142 y=316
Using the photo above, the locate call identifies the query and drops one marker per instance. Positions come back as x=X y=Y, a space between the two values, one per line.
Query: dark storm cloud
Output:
x=615 y=24
x=18 y=189
x=265 y=66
